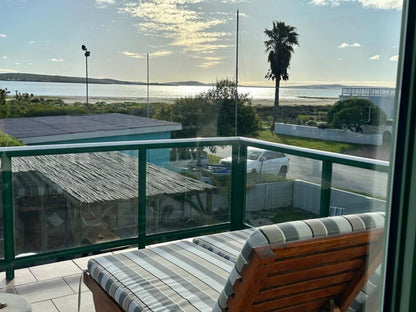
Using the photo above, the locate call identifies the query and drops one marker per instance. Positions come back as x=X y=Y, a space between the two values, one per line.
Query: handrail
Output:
x=238 y=178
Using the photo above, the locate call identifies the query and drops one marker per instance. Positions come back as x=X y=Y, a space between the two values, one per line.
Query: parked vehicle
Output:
x=185 y=159
x=260 y=160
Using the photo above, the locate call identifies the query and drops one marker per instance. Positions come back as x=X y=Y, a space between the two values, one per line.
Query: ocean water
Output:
x=140 y=91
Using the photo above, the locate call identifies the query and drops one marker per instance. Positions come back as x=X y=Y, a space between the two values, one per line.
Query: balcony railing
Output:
x=49 y=166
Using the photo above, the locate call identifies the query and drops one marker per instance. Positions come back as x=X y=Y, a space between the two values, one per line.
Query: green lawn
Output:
x=329 y=146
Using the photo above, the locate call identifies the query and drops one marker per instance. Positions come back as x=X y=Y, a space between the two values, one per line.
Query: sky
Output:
x=340 y=41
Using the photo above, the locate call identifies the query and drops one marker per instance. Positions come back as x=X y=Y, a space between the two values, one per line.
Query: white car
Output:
x=260 y=160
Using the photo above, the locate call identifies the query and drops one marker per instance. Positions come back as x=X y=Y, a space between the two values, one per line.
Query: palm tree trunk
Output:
x=276 y=99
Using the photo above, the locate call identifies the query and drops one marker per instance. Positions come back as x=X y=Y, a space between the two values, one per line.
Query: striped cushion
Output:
x=294 y=231
x=228 y=244
x=179 y=276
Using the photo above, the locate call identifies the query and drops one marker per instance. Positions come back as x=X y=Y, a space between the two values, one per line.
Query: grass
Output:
x=292 y=214
x=329 y=146
x=8 y=140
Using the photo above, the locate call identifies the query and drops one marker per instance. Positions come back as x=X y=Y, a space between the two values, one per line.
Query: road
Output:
x=344 y=177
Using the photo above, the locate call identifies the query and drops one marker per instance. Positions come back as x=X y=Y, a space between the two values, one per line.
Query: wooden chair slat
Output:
x=321 y=259
x=262 y=289
x=302 y=287
x=324 y=294
x=297 y=276
x=314 y=245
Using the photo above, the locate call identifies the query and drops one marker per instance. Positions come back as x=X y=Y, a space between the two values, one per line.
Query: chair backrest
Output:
x=310 y=275
x=305 y=265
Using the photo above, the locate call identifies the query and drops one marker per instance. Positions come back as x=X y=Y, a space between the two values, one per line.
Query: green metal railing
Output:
x=238 y=191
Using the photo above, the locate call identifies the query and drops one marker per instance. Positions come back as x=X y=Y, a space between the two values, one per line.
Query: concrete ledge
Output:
x=329 y=134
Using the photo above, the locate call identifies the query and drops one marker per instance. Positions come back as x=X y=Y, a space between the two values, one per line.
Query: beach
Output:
x=256 y=102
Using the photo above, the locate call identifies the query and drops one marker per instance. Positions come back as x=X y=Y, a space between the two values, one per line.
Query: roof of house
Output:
x=33 y=130
x=89 y=178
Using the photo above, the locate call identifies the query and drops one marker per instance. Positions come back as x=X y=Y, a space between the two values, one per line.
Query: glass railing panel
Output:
x=356 y=190
x=281 y=187
x=70 y=200
x=187 y=188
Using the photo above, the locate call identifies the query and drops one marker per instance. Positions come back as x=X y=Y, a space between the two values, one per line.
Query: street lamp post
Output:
x=87 y=53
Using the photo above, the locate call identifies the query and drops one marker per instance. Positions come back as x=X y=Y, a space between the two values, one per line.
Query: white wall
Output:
x=306 y=195
x=329 y=134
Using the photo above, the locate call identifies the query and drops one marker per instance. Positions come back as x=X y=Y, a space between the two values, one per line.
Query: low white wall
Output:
x=306 y=195
x=329 y=134
x=269 y=196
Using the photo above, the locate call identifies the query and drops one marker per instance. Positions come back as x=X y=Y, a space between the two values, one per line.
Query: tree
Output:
x=355 y=113
x=212 y=113
x=281 y=39
x=4 y=104
x=222 y=96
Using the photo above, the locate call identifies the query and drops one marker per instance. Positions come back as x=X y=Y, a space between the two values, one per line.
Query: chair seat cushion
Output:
x=227 y=245
x=179 y=276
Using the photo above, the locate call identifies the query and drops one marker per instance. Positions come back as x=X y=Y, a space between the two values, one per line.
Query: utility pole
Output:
x=87 y=54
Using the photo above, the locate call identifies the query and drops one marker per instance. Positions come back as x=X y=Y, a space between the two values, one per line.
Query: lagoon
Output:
x=133 y=92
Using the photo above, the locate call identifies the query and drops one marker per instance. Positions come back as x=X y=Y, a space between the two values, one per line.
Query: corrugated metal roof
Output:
x=74 y=124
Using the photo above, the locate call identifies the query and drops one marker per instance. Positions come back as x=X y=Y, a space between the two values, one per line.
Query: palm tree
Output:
x=281 y=40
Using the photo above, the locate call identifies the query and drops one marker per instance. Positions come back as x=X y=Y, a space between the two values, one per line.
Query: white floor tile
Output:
x=73 y=282
x=22 y=276
x=44 y=290
x=54 y=270
x=70 y=303
x=44 y=306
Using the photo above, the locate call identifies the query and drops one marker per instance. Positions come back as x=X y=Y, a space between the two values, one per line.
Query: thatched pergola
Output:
x=94 y=184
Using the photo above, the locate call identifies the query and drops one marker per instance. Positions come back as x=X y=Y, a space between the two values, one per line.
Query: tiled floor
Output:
x=51 y=287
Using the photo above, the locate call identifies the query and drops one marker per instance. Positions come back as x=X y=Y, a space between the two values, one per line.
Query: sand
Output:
x=256 y=102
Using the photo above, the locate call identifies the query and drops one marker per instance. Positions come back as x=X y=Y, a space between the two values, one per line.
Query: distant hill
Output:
x=68 y=79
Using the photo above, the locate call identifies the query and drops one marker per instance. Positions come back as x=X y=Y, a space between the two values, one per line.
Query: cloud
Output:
x=4 y=70
x=394 y=58
x=56 y=60
x=102 y=4
x=4 y=57
x=143 y=55
x=134 y=55
x=184 y=27
x=211 y=61
x=375 y=58
x=3 y=35
x=376 y=4
x=349 y=45
x=160 y=53
x=32 y=42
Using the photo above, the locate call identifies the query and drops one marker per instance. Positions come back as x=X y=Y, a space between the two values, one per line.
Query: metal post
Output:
x=8 y=213
x=236 y=78
x=238 y=186
x=326 y=184
x=148 y=101
x=87 y=54
x=141 y=221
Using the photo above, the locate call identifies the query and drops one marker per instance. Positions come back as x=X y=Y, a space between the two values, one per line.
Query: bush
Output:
x=354 y=113
x=311 y=123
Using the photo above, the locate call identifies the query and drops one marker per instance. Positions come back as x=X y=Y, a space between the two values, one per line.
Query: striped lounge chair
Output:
x=309 y=265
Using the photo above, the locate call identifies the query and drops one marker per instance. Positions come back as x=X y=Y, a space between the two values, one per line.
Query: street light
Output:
x=87 y=53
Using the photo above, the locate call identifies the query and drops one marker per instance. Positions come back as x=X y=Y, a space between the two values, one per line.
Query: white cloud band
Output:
x=376 y=4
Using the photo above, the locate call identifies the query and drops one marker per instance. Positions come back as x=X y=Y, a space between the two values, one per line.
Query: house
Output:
x=91 y=129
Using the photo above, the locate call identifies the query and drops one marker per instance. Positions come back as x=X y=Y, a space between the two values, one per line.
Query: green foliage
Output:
x=212 y=113
x=223 y=97
x=8 y=140
x=4 y=105
x=354 y=113
x=330 y=146
x=281 y=39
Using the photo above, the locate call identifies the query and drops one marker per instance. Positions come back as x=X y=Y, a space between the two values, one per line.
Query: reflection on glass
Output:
x=193 y=189
x=281 y=187
x=70 y=200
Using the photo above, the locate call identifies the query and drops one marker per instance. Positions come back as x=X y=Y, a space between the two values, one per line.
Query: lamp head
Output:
x=84 y=48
